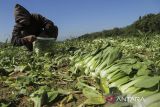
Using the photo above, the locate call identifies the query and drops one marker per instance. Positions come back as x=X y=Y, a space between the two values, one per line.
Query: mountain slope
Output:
x=149 y=23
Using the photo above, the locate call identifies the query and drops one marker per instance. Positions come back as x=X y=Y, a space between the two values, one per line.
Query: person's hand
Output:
x=30 y=38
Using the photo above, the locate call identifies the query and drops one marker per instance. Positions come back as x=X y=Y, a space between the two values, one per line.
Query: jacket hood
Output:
x=22 y=15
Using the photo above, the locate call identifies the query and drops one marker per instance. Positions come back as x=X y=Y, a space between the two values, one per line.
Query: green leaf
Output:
x=82 y=85
x=144 y=93
x=131 y=90
x=126 y=68
x=114 y=55
x=52 y=96
x=21 y=68
x=131 y=83
x=155 y=104
x=111 y=75
x=130 y=61
x=117 y=76
x=120 y=82
x=98 y=100
x=143 y=70
x=69 y=97
x=148 y=101
x=89 y=93
x=118 y=104
x=64 y=91
x=137 y=65
x=39 y=97
x=108 y=70
x=104 y=85
x=94 y=97
x=4 y=105
x=148 y=82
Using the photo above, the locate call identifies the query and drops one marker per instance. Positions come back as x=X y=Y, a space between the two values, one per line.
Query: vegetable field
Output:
x=83 y=73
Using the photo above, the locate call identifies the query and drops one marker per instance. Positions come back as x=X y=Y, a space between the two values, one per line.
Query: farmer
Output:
x=28 y=26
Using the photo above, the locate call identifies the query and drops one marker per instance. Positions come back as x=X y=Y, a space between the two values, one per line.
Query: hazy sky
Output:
x=77 y=17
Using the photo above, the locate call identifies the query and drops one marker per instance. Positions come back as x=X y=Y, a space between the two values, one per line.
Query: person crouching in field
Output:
x=28 y=26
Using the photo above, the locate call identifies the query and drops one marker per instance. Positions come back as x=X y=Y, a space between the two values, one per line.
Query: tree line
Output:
x=147 y=24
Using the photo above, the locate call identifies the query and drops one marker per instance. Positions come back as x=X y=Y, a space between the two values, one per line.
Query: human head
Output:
x=51 y=30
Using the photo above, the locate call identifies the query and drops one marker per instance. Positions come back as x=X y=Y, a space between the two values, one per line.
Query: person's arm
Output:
x=17 y=40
